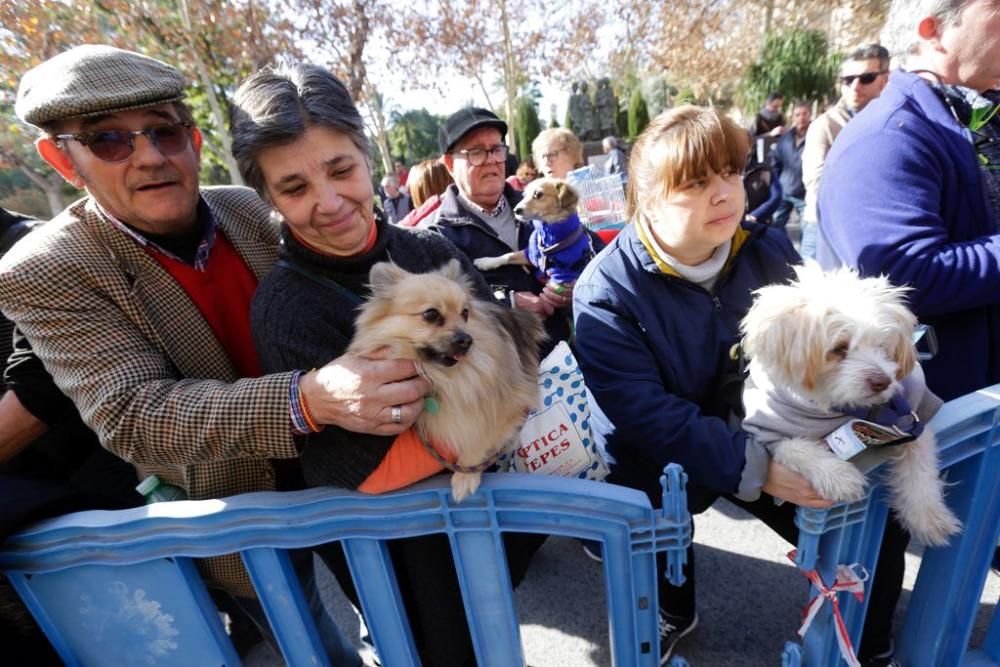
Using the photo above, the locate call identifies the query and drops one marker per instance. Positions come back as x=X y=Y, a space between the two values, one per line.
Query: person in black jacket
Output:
x=477 y=215
x=50 y=462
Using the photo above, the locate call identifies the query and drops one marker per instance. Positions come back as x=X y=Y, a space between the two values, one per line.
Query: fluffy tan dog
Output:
x=481 y=360
x=831 y=347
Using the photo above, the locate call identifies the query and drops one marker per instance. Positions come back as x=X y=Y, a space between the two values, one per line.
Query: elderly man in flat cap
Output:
x=137 y=298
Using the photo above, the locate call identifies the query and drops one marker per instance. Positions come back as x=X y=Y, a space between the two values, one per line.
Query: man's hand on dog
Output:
x=558 y=295
x=790 y=486
x=359 y=394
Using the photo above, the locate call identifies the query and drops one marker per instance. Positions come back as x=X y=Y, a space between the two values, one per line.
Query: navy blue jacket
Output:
x=903 y=196
x=655 y=353
x=787 y=160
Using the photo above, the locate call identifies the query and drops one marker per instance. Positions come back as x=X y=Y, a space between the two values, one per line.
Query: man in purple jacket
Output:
x=911 y=188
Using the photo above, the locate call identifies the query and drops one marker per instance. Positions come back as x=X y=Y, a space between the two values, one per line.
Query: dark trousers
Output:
x=884 y=591
x=428 y=584
x=784 y=212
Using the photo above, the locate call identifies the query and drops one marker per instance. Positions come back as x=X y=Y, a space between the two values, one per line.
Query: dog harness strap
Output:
x=454 y=467
x=897 y=412
x=321 y=279
x=572 y=238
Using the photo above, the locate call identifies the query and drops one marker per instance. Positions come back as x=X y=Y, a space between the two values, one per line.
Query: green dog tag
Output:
x=431 y=405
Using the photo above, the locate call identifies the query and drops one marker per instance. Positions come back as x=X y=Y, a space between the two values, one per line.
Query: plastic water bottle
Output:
x=156 y=491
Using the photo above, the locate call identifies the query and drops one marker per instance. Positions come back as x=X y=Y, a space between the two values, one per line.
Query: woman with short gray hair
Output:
x=557 y=151
x=299 y=141
x=276 y=105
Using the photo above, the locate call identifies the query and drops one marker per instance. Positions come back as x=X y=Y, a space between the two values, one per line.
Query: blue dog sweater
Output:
x=559 y=250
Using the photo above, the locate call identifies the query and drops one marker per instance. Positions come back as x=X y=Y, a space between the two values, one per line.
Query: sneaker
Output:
x=885 y=659
x=671 y=631
x=882 y=661
x=593 y=550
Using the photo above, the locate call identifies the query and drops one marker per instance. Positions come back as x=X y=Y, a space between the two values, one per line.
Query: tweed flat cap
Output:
x=93 y=79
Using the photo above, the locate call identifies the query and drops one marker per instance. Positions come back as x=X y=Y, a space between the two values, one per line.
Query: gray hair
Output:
x=900 y=32
x=390 y=178
x=870 y=52
x=610 y=141
x=277 y=105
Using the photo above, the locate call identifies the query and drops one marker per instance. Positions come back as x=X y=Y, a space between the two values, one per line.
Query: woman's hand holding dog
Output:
x=787 y=485
x=359 y=394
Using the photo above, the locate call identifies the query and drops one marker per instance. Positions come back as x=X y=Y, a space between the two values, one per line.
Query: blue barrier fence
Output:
x=105 y=585
x=942 y=609
x=120 y=587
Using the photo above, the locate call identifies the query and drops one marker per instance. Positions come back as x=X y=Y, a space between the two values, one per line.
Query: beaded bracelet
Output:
x=310 y=422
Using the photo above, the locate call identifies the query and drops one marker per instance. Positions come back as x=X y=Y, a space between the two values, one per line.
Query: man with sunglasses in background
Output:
x=477 y=215
x=137 y=298
x=863 y=75
x=911 y=188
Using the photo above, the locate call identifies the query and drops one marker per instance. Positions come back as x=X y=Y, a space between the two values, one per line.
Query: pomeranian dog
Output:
x=481 y=360
x=831 y=347
x=559 y=247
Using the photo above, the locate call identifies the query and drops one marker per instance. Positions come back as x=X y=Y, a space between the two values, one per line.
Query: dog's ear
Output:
x=905 y=357
x=383 y=276
x=785 y=337
x=807 y=354
x=895 y=318
x=453 y=271
x=901 y=327
x=566 y=195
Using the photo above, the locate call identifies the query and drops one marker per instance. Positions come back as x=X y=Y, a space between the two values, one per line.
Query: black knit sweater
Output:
x=299 y=323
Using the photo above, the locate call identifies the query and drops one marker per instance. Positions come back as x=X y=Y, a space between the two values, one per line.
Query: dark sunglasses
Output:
x=118 y=145
x=865 y=79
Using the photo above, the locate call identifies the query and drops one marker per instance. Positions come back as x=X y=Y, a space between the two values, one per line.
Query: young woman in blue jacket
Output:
x=657 y=325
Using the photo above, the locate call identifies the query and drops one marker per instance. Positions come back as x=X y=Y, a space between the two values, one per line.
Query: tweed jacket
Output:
x=124 y=341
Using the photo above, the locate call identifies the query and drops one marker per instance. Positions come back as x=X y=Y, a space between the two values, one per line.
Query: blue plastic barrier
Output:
x=121 y=588
x=942 y=610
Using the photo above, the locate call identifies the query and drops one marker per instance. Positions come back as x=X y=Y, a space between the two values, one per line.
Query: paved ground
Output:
x=747 y=615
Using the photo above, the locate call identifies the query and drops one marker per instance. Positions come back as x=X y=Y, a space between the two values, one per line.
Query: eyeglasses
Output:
x=477 y=156
x=865 y=79
x=552 y=155
x=118 y=145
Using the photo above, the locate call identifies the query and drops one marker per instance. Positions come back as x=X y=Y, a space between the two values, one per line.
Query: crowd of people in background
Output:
x=152 y=297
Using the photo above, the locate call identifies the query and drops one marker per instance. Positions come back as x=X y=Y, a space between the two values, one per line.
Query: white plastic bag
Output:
x=556 y=438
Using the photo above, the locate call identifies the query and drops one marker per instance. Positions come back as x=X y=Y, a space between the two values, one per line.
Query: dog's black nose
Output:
x=878 y=383
x=461 y=341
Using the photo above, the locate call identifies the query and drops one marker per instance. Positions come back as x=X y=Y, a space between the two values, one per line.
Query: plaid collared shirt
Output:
x=501 y=205
x=204 y=246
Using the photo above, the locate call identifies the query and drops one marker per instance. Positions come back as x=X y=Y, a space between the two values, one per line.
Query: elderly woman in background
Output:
x=300 y=142
x=557 y=152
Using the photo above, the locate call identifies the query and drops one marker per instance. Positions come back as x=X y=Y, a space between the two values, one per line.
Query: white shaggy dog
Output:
x=823 y=350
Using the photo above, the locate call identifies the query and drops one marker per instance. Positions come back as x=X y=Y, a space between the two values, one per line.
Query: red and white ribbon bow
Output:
x=847 y=580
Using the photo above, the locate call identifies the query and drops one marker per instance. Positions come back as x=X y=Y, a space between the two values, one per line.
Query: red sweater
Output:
x=222 y=293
